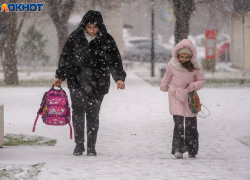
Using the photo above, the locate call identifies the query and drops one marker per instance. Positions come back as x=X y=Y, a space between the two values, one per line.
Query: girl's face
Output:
x=183 y=58
x=92 y=29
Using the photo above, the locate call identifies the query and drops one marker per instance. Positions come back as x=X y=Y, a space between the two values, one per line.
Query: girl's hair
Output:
x=188 y=65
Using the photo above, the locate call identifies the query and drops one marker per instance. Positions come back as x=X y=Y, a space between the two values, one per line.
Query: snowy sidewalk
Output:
x=135 y=135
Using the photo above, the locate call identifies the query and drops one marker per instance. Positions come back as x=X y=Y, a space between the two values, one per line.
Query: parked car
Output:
x=142 y=52
x=171 y=40
x=129 y=42
x=221 y=37
x=224 y=51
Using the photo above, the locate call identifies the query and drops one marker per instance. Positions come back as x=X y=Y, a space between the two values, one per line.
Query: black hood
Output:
x=93 y=17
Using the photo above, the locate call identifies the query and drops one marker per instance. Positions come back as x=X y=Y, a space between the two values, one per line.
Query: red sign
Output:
x=210 y=44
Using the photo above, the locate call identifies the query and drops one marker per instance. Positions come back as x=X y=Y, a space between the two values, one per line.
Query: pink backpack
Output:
x=54 y=109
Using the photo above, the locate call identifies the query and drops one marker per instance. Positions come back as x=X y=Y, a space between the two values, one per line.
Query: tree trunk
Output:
x=9 y=32
x=62 y=36
x=183 y=10
x=9 y=62
x=60 y=12
x=9 y=58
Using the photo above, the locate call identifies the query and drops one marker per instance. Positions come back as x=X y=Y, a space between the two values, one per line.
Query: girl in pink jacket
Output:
x=183 y=75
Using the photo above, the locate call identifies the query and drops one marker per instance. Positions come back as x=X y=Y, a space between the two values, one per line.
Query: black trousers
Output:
x=89 y=105
x=188 y=141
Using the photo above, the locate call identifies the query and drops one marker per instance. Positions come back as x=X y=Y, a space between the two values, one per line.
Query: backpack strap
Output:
x=70 y=131
x=34 y=127
x=59 y=87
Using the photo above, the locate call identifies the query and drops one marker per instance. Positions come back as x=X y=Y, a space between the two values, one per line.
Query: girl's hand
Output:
x=57 y=82
x=120 y=84
x=190 y=88
x=165 y=90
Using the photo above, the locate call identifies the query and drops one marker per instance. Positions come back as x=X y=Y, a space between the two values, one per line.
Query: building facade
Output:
x=240 y=35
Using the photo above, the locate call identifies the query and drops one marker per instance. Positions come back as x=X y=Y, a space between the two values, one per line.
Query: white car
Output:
x=171 y=40
x=129 y=42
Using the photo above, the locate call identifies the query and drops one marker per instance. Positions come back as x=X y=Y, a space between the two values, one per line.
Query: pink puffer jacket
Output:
x=178 y=78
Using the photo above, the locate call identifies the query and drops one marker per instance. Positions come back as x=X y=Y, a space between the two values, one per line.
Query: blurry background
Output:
x=32 y=41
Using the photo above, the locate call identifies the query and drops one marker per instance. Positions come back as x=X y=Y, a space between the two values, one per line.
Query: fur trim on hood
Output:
x=182 y=44
x=177 y=64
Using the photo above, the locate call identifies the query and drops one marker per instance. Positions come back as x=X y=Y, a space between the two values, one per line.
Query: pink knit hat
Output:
x=185 y=50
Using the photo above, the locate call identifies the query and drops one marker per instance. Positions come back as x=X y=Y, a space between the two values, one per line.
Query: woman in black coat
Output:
x=87 y=59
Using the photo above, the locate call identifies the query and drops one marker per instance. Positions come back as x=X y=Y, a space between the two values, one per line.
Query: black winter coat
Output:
x=87 y=65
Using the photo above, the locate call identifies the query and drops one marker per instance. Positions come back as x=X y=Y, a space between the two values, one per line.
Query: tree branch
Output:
x=54 y=11
x=205 y=1
x=67 y=8
x=220 y=8
x=20 y=25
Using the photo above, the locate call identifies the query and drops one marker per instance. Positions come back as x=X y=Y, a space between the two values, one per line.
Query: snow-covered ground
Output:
x=33 y=76
x=135 y=135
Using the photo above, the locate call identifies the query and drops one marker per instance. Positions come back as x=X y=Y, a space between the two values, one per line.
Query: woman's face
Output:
x=92 y=29
x=183 y=58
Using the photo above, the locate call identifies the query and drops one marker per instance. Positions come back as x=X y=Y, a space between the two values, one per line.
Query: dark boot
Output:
x=79 y=149
x=191 y=155
x=91 y=151
x=177 y=154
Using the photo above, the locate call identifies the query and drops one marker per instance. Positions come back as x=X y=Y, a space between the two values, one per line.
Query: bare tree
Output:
x=221 y=9
x=182 y=10
x=8 y=38
x=108 y=4
x=60 y=11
